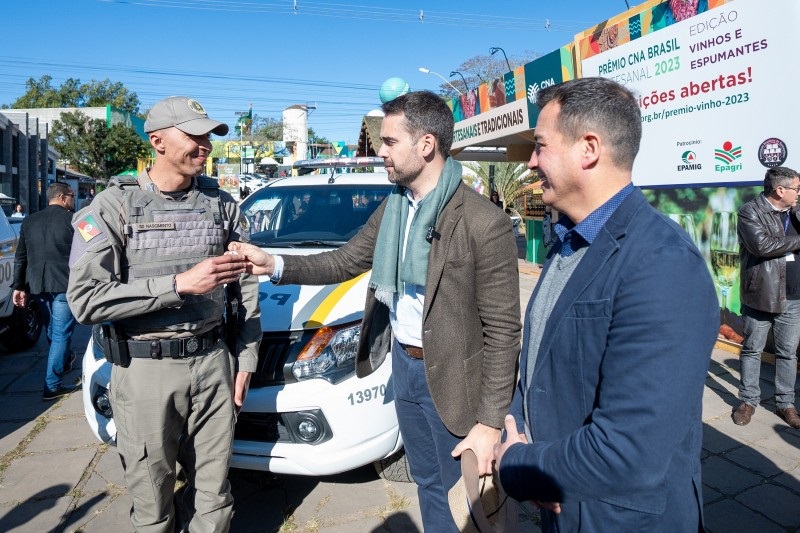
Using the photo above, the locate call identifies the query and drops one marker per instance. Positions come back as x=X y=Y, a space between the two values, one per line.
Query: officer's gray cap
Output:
x=184 y=113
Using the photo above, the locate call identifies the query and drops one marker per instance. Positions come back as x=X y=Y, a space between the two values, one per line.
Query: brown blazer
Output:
x=471 y=321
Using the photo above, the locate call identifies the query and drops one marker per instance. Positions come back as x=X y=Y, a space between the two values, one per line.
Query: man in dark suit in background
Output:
x=445 y=285
x=41 y=269
x=607 y=429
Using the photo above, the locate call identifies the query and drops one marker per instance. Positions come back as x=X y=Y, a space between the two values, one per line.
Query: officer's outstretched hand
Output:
x=259 y=262
x=209 y=274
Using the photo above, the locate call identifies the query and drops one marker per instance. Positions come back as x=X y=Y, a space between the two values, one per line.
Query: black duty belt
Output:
x=176 y=348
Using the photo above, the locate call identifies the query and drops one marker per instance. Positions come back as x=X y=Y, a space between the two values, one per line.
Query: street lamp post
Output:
x=454 y=72
x=494 y=49
x=426 y=71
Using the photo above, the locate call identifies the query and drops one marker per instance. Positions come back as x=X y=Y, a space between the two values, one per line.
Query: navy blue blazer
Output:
x=615 y=400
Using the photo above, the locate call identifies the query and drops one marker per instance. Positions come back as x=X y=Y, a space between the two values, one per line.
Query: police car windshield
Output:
x=299 y=216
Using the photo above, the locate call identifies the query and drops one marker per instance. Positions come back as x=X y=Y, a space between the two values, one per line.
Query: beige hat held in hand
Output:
x=479 y=504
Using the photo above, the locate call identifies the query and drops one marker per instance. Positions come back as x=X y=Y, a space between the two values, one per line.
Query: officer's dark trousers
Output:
x=155 y=403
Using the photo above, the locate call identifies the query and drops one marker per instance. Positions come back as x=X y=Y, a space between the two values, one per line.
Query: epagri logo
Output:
x=689 y=159
x=726 y=156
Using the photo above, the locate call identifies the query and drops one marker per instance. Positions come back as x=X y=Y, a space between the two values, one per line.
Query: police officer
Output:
x=148 y=263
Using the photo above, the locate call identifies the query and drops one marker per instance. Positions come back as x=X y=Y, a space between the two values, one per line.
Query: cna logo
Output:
x=689 y=159
x=534 y=88
x=726 y=156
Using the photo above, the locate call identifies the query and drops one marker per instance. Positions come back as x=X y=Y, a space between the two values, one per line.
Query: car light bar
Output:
x=339 y=162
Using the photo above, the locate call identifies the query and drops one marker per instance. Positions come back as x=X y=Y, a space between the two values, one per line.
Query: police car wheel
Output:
x=394 y=468
x=22 y=327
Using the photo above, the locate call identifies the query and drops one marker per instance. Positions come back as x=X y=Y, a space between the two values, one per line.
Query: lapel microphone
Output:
x=432 y=234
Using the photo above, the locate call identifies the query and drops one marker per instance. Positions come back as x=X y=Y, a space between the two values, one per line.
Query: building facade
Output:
x=27 y=162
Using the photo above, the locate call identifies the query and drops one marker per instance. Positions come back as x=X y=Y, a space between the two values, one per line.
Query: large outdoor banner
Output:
x=708 y=215
x=715 y=82
x=505 y=106
x=550 y=69
x=491 y=110
x=716 y=88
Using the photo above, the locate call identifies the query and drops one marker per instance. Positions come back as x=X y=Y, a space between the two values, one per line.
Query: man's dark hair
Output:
x=600 y=105
x=424 y=113
x=57 y=189
x=778 y=176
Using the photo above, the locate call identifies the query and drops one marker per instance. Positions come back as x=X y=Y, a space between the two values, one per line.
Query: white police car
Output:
x=306 y=412
x=19 y=328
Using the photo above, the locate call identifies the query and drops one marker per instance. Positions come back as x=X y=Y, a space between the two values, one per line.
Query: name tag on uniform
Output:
x=789 y=256
x=153 y=225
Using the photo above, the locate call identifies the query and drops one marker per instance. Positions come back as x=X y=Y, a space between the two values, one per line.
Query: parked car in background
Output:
x=16 y=224
x=306 y=412
x=253 y=181
x=19 y=328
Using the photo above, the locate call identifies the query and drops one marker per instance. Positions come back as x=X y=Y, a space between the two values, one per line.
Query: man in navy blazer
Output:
x=605 y=429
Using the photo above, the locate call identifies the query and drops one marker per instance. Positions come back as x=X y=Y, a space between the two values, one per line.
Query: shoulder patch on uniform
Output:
x=87 y=227
x=88 y=234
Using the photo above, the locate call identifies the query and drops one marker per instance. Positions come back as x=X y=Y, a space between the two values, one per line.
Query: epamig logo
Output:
x=689 y=159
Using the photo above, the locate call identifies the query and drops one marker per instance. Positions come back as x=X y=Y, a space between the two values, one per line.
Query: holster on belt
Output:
x=115 y=344
x=233 y=297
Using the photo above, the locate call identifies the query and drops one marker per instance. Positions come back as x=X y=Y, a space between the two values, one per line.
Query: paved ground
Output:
x=55 y=477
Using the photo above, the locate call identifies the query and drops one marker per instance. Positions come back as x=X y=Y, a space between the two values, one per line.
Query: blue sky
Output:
x=230 y=53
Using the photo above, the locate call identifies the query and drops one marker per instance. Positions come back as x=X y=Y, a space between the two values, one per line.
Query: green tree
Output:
x=510 y=179
x=73 y=93
x=268 y=129
x=106 y=92
x=123 y=148
x=38 y=93
x=95 y=149
x=316 y=139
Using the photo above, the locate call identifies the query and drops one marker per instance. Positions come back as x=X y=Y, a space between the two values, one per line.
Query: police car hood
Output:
x=299 y=307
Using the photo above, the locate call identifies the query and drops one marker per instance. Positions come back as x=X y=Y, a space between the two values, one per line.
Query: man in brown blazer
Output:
x=443 y=298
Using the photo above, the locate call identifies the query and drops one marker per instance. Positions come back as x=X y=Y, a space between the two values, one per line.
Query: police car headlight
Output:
x=330 y=354
x=309 y=429
x=101 y=402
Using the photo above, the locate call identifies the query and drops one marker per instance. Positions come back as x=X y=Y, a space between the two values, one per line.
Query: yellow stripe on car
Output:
x=324 y=309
